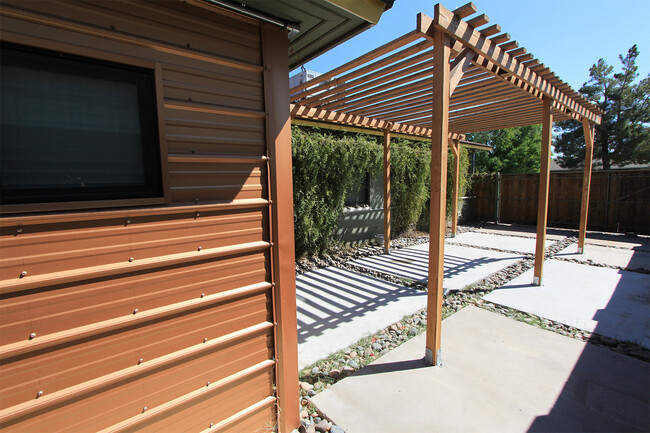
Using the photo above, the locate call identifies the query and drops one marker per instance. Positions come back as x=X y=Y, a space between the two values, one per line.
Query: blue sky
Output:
x=568 y=36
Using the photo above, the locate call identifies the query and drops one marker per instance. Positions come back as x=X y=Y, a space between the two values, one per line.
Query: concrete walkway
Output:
x=463 y=265
x=607 y=301
x=525 y=231
x=499 y=375
x=337 y=308
x=490 y=240
x=630 y=258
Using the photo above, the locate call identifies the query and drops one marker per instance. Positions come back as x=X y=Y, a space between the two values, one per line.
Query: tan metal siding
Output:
x=145 y=307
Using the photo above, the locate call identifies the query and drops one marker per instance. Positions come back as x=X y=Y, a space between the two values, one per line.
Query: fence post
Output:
x=497 y=197
x=609 y=179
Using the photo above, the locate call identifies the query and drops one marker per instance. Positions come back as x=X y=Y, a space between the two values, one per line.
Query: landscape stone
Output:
x=323 y=426
x=336 y=429
x=310 y=428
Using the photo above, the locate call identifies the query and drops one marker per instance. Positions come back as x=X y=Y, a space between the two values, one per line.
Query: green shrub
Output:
x=325 y=167
x=410 y=179
x=464 y=181
x=329 y=164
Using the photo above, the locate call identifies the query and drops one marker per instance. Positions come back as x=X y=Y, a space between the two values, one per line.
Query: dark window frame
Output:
x=146 y=77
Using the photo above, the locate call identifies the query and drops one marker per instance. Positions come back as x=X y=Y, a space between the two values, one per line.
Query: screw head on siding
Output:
x=135 y=311
x=140 y=361
x=144 y=409
x=207 y=384
x=200 y=248
x=19 y=230
x=128 y=221
x=32 y=335
x=131 y=259
x=203 y=295
x=23 y=273
x=211 y=424
x=205 y=340
x=39 y=393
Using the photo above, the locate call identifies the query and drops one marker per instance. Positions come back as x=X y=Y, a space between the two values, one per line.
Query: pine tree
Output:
x=624 y=135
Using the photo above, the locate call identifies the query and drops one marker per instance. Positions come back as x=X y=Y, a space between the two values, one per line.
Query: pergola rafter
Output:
x=452 y=75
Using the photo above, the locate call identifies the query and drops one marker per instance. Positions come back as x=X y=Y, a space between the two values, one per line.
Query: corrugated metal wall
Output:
x=149 y=318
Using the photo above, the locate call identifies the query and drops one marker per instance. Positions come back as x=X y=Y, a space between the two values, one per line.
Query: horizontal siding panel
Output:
x=72 y=306
x=208 y=175
x=179 y=145
x=208 y=194
x=179 y=122
x=110 y=405
x=258 y=421
x=199 y=415
x=67 y=365
x=110 y=46
x=115 y=16
x=213 y=89
x=73 y=249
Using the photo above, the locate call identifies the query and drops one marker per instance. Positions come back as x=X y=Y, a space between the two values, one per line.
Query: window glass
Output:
x=75 y=129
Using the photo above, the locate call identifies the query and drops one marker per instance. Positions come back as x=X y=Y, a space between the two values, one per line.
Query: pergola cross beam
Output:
x=460 y=30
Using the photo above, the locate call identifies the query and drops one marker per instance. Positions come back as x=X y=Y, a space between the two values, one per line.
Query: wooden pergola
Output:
x=452 y=75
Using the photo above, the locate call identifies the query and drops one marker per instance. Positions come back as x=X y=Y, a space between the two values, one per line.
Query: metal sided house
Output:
x=147 y=256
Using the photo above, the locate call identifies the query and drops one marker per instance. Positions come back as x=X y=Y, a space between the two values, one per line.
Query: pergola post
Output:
x=588 y=128
x=387 y=228
x=439 y=136
x=278 y=136
x=455 y=147
x=544 y=176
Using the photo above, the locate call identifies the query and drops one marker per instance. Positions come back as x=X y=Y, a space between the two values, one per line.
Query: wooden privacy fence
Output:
x=619 y=200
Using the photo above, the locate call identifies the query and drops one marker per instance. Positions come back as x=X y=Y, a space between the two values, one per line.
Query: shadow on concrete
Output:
x=327 y=301
x=414 y=264
x=390 y=367
x=600 y=395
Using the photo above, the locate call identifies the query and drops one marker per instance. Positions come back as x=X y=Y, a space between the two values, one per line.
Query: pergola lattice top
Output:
x=493 y=83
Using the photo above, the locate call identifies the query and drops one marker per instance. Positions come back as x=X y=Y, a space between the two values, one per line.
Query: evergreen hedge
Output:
x=328 y=164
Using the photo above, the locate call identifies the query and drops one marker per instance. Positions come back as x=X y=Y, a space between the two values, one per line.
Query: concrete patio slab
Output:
x=336 y=308
x=463 y=265
x=509 y=243
x=619 y=240
x=607 y=301
x=527 y=231
x=499 y=375
x=626 y=258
